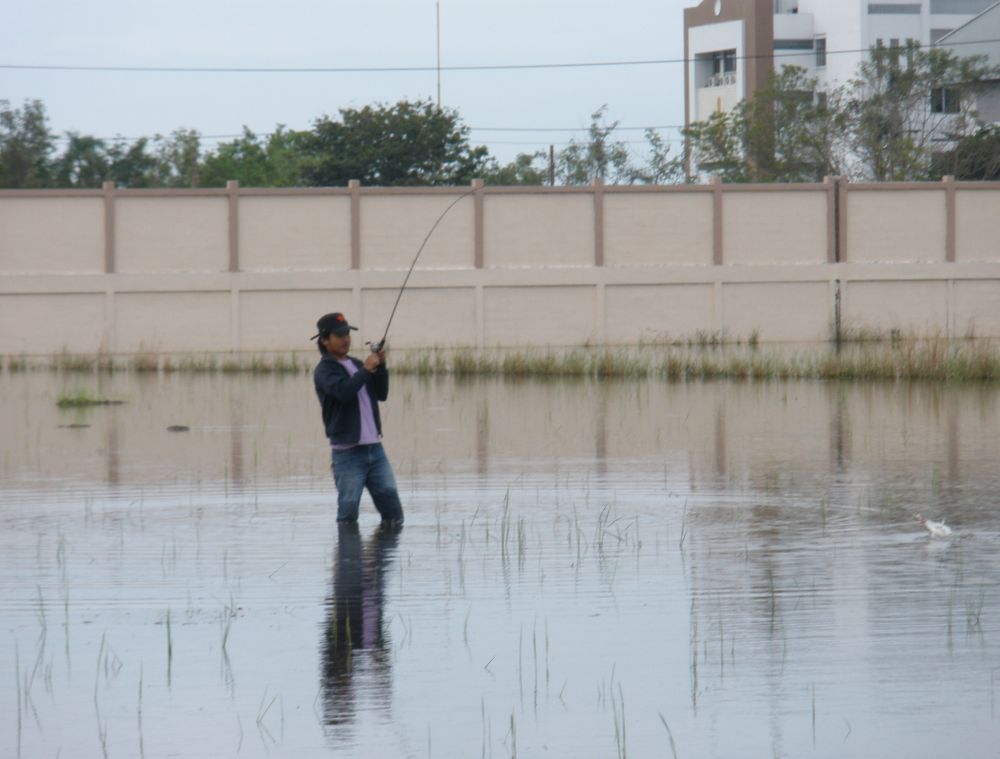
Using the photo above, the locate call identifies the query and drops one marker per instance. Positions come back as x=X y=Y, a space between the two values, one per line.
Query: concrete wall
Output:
x=251 y=270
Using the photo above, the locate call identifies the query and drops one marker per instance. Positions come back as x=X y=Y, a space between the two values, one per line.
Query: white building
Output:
x=732 y=46
x=980 y=36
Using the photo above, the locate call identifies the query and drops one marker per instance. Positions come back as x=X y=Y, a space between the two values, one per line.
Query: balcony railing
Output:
x=721 y=80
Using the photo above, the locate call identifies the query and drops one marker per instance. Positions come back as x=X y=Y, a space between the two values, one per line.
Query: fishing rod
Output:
x=378 y=345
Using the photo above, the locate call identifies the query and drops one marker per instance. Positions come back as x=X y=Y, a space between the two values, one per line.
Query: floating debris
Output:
x=178 y=428
x=84 y=398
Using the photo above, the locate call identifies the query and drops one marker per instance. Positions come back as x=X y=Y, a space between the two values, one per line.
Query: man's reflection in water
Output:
x=355 y=650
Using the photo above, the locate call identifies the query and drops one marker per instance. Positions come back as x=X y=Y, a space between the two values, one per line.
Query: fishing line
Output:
x=377 y=346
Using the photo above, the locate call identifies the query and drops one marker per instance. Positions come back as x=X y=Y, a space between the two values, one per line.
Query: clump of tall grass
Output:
x=421 y=366
x=467 y=363
x=74 y=362
x=936 y=359
x=620 y=364
x=236 y=364
x=17 y=363
x=863 y=334
x=905 y=359
x=145 y=361
x=105 y=362
x=875 y=356
x=705 y=339
x=525 y=364
x=195 y=364
x=289 y=364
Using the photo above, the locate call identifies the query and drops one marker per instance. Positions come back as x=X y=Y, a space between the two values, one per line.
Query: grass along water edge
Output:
x=935 y=359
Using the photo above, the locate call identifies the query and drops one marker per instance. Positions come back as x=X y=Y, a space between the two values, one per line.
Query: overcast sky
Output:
x=336 y=33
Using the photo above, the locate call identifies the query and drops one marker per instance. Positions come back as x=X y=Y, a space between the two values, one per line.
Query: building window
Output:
x=945 y=100
x=894 y=52
x=960 y=6
x=716 y=69
x=820 y=52
x=793 y=44
x=724 y=62
x=909 y=9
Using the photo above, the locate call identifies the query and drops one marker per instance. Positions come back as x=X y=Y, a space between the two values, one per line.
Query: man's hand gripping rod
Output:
x=378 y=345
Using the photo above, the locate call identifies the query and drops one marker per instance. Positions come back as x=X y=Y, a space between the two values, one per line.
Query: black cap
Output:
x=335 y=323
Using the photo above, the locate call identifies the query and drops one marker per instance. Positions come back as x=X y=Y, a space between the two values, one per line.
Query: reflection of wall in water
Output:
x=763 y=433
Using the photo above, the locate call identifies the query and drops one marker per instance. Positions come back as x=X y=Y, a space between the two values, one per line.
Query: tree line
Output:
x=907 y=116
x=400 y=144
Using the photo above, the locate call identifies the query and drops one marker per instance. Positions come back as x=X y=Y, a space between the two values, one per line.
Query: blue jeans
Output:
x=360 y=467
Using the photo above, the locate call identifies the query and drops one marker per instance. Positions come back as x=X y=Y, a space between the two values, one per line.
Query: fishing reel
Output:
x=376 y=346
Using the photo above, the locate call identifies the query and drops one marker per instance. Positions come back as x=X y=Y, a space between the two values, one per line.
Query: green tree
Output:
x=905 y=103
x=131 y=165
x=523 y=170
x=274 y=161
x=409 y=143
x=84 y=162
x=26 y=145
x=584 y=161
x=716 y=146
x=786 y=132
x=795 y=132
x=178 y=158
x=660 y=166
x=975 y=157
x=600 y=157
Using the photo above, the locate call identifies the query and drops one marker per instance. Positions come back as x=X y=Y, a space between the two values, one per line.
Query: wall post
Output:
x=950 y=222
x=842 y=185
x=109 y=227
x=233 y=196
x=354 y=185
x=477 y=224
x=717 y=258
x=831 y=184
x=598 y=189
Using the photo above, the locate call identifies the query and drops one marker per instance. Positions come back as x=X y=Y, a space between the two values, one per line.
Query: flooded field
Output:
x=632 y=568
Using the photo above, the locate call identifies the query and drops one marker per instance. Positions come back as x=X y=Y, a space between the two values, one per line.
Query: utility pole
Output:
x=438 y=9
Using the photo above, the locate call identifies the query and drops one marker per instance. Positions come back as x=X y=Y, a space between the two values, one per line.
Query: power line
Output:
x=323 y=69
x=424 y=69
x=121 y=138
x=573 y=129
x=562 y=142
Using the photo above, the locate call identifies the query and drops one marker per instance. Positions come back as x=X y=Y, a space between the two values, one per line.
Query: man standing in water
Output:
x=349 y=391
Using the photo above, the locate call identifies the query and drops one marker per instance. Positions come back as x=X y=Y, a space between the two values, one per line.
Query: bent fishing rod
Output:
x=378 y=345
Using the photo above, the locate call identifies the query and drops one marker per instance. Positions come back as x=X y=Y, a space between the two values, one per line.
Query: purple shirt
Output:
x=369 y=432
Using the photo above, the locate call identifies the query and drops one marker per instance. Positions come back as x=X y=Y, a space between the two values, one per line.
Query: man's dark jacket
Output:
x=338 y=395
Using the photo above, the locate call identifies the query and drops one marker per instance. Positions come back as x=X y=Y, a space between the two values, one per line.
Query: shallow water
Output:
x=629 y=568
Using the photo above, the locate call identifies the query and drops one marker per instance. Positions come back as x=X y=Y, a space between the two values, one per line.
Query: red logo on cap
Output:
x=340 y=317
